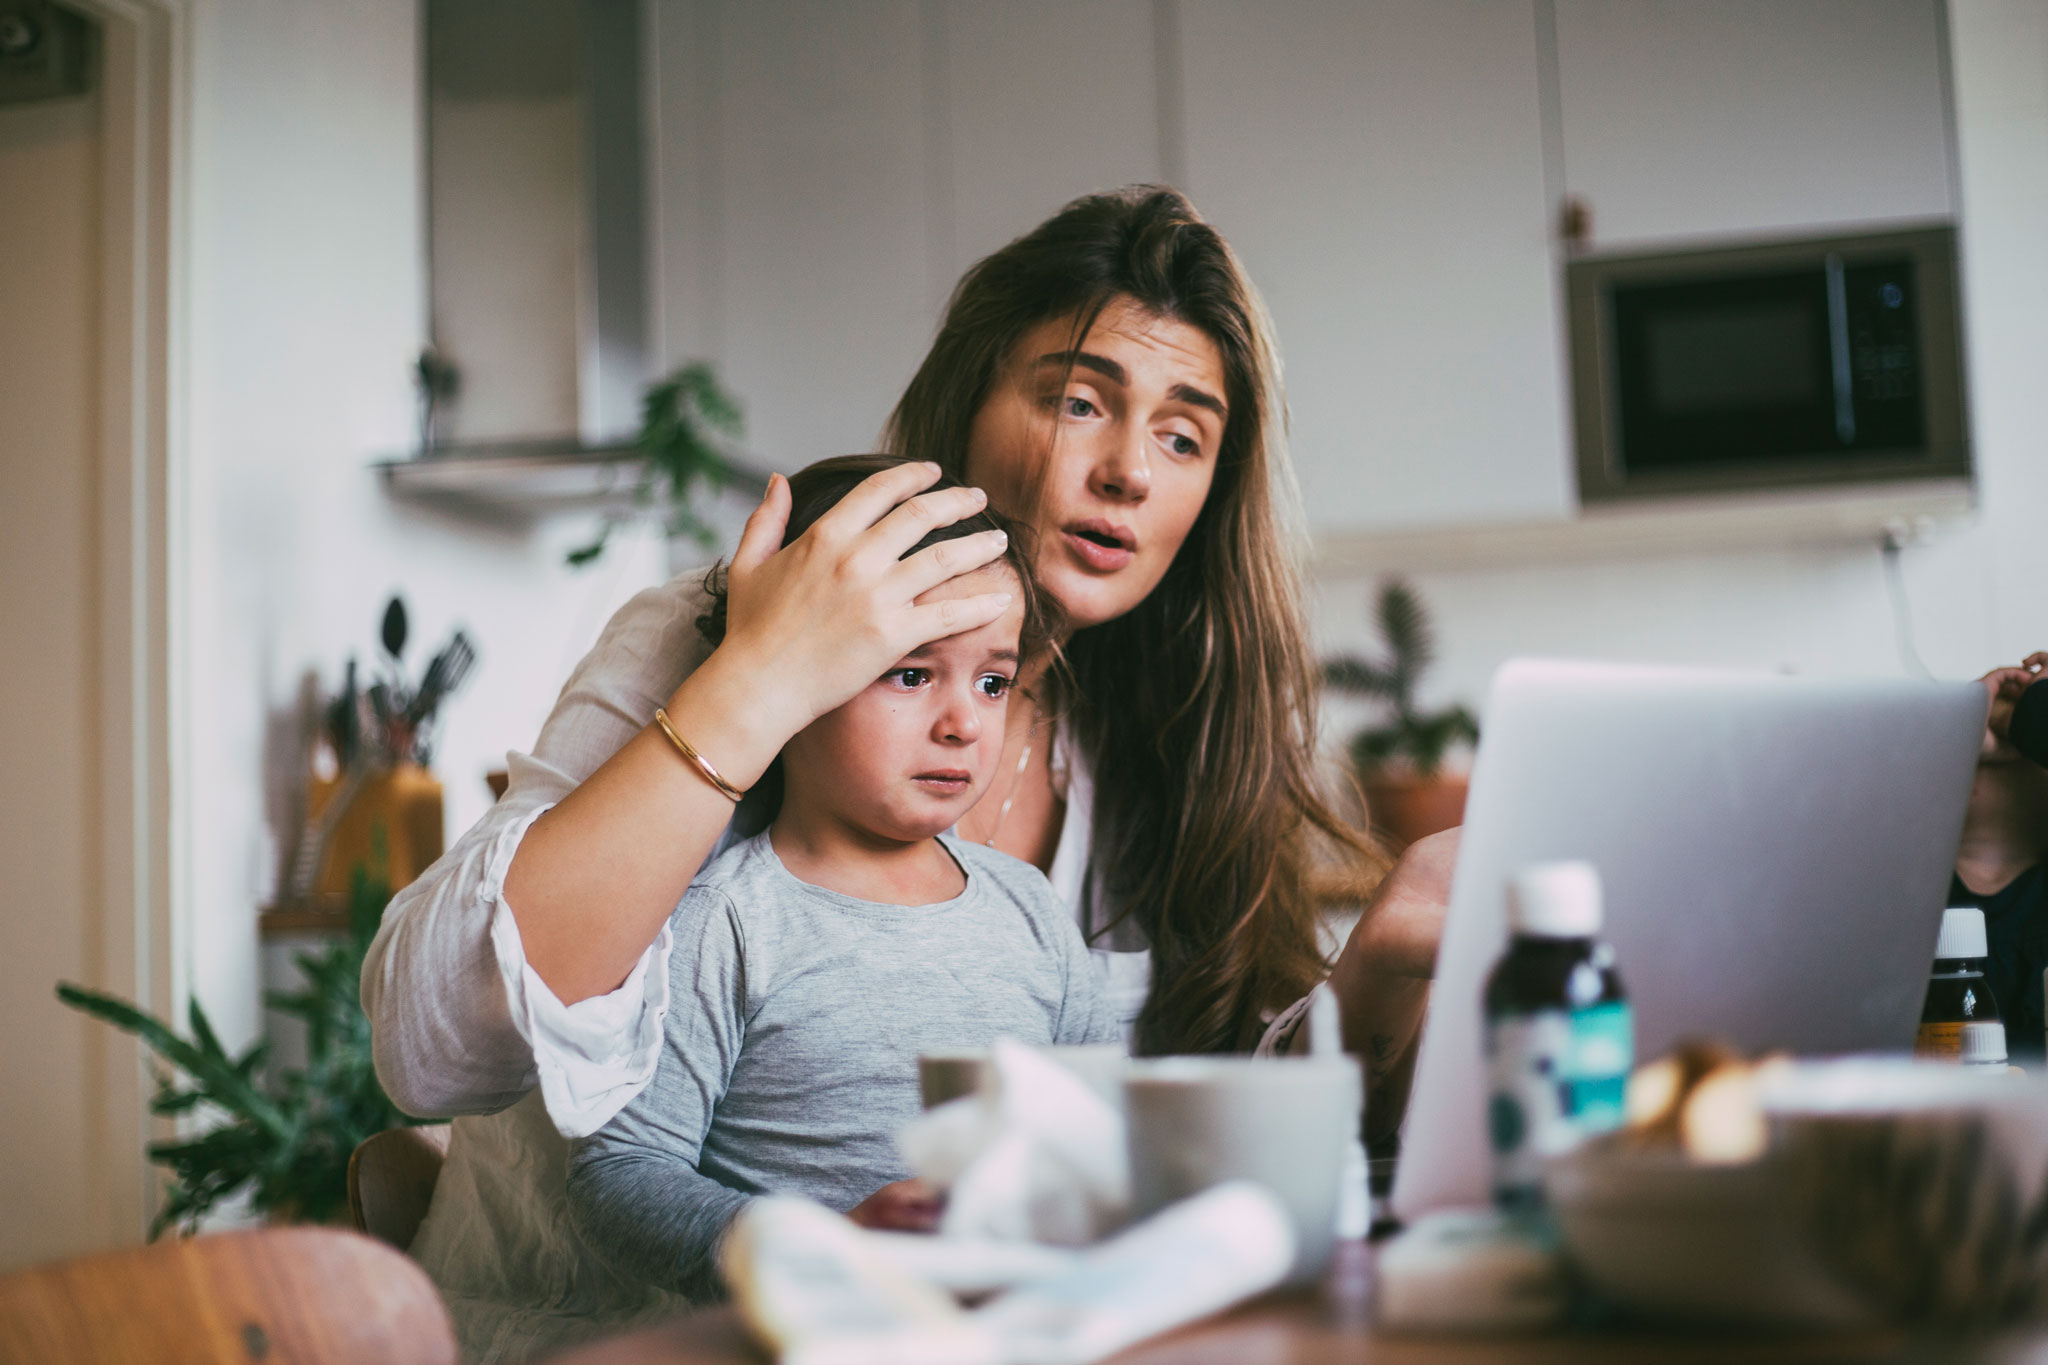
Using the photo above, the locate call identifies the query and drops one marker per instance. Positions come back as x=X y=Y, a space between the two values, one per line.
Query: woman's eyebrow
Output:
x=1188 y=393
x=1087 y=360
x=1117 y=374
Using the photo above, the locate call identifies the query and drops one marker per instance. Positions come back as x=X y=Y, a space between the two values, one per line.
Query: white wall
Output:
x=1978 y=591
x=306 y=308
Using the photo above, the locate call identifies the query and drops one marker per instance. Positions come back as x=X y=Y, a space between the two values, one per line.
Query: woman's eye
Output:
x=1183 y=445
x=994 y=685
x=909 y=679
x=1079 y=407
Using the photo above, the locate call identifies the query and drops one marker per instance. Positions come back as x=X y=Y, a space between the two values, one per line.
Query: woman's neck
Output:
x=2006 y=829
x=823 y=850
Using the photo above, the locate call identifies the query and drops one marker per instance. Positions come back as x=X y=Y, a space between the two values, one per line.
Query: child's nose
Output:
x=960 y=721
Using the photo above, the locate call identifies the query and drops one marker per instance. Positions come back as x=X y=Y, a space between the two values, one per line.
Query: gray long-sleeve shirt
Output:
x=790 y=1047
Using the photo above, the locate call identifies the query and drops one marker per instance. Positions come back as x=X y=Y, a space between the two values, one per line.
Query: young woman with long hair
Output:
x=1110 y=381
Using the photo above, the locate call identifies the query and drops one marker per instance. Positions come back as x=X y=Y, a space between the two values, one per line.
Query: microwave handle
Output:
x=1838 y=351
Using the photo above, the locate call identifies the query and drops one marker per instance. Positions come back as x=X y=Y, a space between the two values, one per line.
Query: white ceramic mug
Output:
x=949 y=1074
x=1285 y=1122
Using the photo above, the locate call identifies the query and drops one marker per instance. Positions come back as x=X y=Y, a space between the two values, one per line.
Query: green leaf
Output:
x=286 y=1145
x=585 y=554
x=678 y=417
x=1404 y=623
x=1361 y=677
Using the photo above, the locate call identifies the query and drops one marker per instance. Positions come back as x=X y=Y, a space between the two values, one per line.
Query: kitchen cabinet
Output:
x=1042 y=103
x=1748 y=118
x=791 y=182
x=1390 y=172
x=1379 y=167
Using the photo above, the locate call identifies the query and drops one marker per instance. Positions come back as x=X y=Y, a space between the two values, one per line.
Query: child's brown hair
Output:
x=816 y=489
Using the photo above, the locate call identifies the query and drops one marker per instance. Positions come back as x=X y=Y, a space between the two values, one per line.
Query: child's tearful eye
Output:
x=908 y=679
x=994 y=686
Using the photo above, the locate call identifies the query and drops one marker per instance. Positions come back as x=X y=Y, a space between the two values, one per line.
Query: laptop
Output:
x=1775 y=853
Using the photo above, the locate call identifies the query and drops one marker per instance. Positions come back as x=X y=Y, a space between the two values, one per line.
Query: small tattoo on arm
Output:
x=1379 y=1056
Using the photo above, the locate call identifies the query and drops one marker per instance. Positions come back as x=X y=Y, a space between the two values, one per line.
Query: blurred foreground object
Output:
x=1399 y=762
x=310 y=1296
x=1470 y=1270
x=1884 y=1191
x=812 y=1287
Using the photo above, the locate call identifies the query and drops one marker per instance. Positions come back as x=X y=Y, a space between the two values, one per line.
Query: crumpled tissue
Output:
x=1035 y=1155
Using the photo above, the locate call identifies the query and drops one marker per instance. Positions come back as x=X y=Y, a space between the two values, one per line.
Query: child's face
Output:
x=914 y=751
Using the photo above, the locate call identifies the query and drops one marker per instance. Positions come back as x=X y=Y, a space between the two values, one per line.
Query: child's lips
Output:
x=946 y=780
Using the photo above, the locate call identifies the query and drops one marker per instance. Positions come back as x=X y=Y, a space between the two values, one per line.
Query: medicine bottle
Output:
x=1960 y=1021
x=1560 y=1039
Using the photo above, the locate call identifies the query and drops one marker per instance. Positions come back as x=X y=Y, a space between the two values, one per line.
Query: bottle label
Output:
x=1557 y=1078
x=1961 y=1040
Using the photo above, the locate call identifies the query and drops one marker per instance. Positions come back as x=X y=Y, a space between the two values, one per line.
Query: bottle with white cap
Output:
x=1960 y=1021
x=1560 y=1039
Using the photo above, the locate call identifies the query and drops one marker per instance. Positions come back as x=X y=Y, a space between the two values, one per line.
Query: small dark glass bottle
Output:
x=1560 y=1039
x=1960 y=1022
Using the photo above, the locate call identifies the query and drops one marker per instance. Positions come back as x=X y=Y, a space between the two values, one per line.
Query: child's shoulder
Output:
x=732 y=872
x=1008 y=877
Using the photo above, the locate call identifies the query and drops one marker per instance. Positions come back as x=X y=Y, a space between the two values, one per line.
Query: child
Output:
x=814 y=961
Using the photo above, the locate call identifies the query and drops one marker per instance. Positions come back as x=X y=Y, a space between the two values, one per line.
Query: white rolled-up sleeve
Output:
x=594 y=1056
x=460 y=1023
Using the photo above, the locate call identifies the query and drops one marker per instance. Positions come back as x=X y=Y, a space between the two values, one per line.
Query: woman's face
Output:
x=1110 y=463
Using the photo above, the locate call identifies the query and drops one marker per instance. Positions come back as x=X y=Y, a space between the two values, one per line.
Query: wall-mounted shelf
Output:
x=1699 y=525
x=530 y=478
x=525 y=477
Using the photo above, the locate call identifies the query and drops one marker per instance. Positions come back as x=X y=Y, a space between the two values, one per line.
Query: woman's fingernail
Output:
x=1002 y=537
x=980 y=494
x=1004 y=599
x=932 y=465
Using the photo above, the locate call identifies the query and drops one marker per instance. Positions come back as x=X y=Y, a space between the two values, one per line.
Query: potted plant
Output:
x=282 y=1136
x=682 y=421
x=373 y=781
x=1400 y=761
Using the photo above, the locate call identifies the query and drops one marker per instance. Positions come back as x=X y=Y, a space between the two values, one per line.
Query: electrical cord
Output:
x=1889 y=542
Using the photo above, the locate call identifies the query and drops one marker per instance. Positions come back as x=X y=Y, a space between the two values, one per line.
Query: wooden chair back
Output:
x=305 y=1295
x=391 y=1179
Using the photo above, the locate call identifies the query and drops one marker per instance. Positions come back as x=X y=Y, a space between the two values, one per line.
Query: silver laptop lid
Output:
x=1775 y=852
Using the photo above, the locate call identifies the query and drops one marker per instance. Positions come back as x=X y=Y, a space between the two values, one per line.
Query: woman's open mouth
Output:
x=1101 y=545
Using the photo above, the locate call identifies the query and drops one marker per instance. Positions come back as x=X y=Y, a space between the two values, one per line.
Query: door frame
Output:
x=132 y=939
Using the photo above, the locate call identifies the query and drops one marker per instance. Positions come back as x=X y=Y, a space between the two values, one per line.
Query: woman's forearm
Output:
x=1386 y=1031
x=1381 y=979
x=595 y=878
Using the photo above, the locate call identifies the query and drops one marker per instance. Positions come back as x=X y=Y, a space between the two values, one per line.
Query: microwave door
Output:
x=1727 y=371
x=1838 y=352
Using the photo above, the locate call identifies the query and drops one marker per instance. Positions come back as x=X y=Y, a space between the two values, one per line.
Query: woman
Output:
x=1108 y=379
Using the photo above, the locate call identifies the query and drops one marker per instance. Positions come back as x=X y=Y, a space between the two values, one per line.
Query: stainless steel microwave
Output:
x=1796 y=363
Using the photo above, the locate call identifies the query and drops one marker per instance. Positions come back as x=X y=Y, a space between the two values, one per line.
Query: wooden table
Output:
x=1331 y=1325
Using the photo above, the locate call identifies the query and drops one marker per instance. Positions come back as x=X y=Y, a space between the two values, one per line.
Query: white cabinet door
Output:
x=1044 y=101
x=1732 y=118
x=793 y=169
x=1379 y=167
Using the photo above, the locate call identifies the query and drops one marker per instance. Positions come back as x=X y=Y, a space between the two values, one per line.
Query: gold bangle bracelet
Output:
x=684 y=747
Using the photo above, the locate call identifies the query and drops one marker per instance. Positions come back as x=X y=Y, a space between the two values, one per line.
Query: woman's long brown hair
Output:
x=1198 y=707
